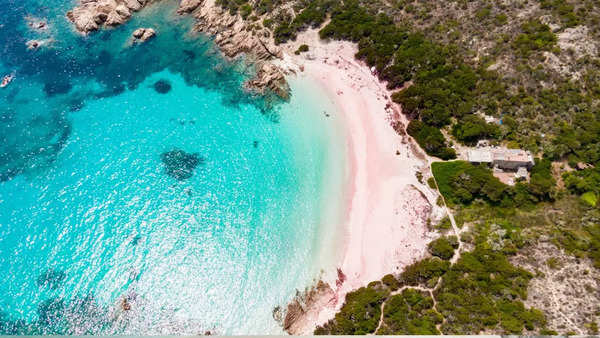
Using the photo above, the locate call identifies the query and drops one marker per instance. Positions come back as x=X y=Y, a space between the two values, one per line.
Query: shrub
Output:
x=360 y=313
x=301 y=49
x=473 y=128
x=430 y=139
x=443 y=247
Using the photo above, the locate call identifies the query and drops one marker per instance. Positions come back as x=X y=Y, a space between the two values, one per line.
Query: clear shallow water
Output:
x=89 y=216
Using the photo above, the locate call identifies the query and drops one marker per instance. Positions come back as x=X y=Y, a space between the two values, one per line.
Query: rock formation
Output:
x=231 y=32
x=35 y=44
x=188 y=6
x=269 y=78
x=234 y=37
x=90 y=15
x=143 y=34
x=303 y=311
x=179 y=164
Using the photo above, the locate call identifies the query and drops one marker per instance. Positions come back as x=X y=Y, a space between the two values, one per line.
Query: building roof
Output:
x=489 y=155
x=512 y=155
x=480 y=155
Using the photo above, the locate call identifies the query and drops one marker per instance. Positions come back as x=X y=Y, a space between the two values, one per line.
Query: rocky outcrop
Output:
x=234 y=37
x=302 y=312
x=232 y=34
x=143 y=34
x=36 y=44
x=269 y=78
x=91 y=15
x=188 y=6
x=578 y=40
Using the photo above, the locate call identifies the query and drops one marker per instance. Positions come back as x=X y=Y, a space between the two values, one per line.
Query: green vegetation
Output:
x=359 y=314
x=461 y=182
x=430 y=139
x=473 y=128
x=535 y=37
x=424 y=271
x=585 y=182
x=443 y=247
x=590 y=198
x=301 y=49
x=449 y=62
x=410 y=312
x=313 y=14
x=482 y=291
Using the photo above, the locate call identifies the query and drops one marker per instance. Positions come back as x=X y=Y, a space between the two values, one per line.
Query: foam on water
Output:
x=90 y=216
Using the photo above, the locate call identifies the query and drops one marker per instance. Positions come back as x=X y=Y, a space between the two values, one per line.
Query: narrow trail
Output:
x=455 y=228
x=419 y=288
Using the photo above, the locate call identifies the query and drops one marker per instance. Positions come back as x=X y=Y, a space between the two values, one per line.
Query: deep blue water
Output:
x=142 y=190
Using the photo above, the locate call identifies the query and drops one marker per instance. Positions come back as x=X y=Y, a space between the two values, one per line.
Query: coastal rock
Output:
x=234 y=37
x=143 y=34
x=91 y=15
x=37 y=24
x=36 y=44
x=188 y=6
x=269 y=78
x=232 y=34
x=133 y=5
x=303 y=311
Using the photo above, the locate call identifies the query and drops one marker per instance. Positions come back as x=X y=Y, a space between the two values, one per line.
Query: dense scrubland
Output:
x=532 y=65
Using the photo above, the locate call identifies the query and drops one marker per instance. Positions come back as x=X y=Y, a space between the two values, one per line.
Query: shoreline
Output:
x=387 y=208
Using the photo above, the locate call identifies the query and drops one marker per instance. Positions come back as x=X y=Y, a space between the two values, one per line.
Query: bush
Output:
x=301 y=49
x=360 y=313
x=473 y=128
x=391 y=282
x=430 y=139
x=410 y=313
x=535 y=37
x=423 y=271
x=443 y=247
x=461 y=182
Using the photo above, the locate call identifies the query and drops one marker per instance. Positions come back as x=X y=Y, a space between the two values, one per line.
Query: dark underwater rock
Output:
x=51 y=310
x=51 y=278
x=57 y=87
x=179 y=164
x=162 y=86
x=189 y=54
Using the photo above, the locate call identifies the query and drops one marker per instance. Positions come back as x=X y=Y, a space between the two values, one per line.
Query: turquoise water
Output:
x=89 y=214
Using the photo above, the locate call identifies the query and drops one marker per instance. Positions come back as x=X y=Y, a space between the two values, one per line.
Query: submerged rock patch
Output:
x=51 y=278
x=57 y=87
x=179 y=164
x=162 y=86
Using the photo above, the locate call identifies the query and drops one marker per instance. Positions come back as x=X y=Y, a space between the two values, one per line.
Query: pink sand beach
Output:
x=387 y=208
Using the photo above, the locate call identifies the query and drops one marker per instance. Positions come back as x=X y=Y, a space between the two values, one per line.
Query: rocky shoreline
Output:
x=231 y=33
x=92 y=15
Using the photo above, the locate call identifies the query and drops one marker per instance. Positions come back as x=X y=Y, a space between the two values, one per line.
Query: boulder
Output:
x=188 y=6
x=270 y=78
x=91 y=15
x=143 y=34
x=133 y=5
x=148 y=34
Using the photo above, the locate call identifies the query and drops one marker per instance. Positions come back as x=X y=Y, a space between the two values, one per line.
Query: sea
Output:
x=143 y=190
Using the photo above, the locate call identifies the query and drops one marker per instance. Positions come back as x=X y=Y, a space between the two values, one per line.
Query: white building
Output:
x=503 y=158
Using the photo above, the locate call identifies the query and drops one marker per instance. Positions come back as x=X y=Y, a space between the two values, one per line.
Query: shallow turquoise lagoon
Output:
x=91 y=223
